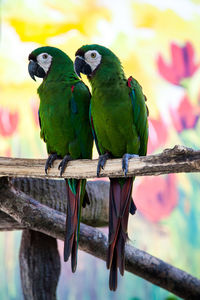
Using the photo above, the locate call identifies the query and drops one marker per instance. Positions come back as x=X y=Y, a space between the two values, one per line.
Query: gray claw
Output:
x=101 y=163
x=63 y=164
x=49 y=161
x=125 y=160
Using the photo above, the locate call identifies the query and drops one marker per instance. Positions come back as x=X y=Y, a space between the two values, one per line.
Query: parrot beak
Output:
x=80 y=66
x=35 y=70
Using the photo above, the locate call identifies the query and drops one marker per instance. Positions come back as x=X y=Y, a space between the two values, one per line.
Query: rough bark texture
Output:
x=8 y=223
x=38 y=217
x=39 y=266
x=52 y=193
x=176 y=160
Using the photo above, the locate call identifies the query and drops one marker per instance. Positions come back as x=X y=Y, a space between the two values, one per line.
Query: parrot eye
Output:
x=93 y=54
x=44 y=56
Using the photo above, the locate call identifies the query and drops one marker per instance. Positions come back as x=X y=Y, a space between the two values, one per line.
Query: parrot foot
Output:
x=86 y=200
x=63 y=164
x=49 y=161
x=125 y=160
x=133 y=207
x=101 y=163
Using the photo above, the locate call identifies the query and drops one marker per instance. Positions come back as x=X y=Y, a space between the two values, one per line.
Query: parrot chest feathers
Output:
x=113 y=125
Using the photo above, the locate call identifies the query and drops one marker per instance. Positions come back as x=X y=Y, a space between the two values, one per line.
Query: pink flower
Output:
x=156 y=197
x=157 y=134
x=8 y=122
x=182 y=64
x=185 y=116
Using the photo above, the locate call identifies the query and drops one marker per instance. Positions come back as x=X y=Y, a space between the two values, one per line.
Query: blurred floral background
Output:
x=158 y=43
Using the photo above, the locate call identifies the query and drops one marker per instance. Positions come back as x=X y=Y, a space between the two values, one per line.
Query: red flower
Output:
x=181 y=66
x=8 y=122
x=34 y=109
x=8 y=152
x=185 y=116
x=156 y=197
x=157 y=134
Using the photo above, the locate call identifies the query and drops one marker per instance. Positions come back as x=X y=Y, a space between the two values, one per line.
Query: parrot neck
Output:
x=107 y=77
x=61 y=72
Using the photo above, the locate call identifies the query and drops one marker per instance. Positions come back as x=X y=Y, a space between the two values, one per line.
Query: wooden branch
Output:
x=52 y=193
x=41 y=218
x=176 y=160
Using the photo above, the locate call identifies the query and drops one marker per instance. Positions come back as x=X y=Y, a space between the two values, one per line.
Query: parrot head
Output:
x=42 y=59
x=90 y=58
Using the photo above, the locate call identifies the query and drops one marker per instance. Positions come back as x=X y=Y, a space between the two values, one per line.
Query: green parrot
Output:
x=118 y=116
x=65 y=128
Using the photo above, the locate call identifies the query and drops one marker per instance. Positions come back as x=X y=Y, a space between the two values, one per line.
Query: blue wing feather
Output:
x=74 y=108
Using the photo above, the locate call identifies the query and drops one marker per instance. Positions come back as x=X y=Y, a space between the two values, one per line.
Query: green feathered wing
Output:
x=140 y=113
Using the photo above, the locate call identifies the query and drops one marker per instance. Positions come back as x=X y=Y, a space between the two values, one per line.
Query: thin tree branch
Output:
x=52 y=192
x=176 y=160
x=38 y=217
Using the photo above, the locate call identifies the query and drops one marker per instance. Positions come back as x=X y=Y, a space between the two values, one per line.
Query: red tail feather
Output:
x=70 y=243
x=119 y=206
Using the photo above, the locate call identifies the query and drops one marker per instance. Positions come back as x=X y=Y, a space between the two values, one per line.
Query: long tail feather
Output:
x=72 y=222
x=119 y=207
x=113 y=274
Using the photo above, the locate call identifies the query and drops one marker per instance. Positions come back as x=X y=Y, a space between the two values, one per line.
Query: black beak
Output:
x=35 y=70
x=80 y=66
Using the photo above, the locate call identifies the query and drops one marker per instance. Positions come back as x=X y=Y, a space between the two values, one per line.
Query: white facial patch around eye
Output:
x=44 y=61
x=93 y=58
